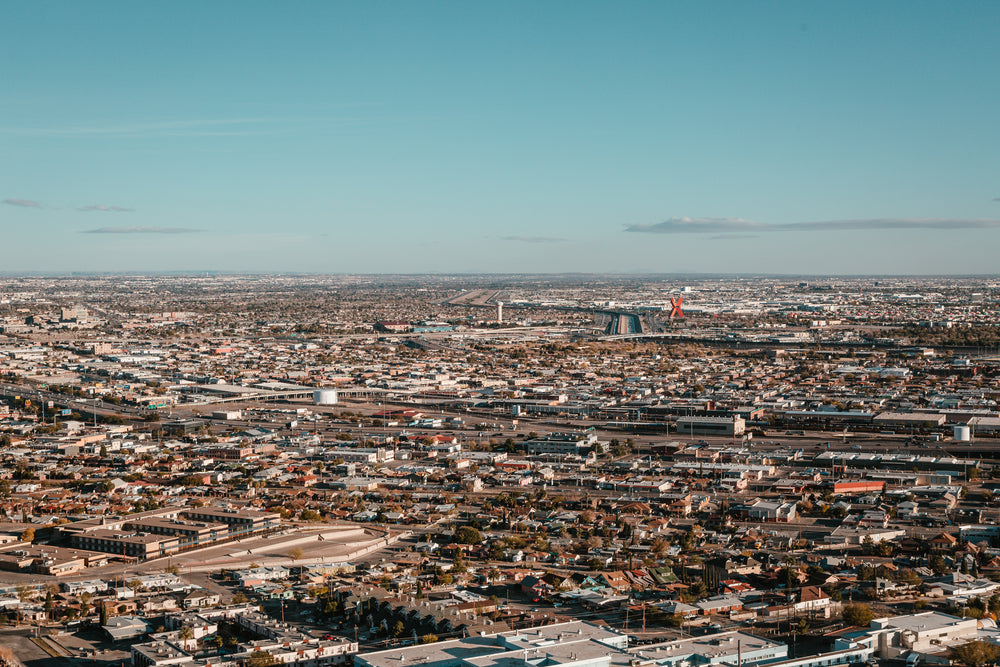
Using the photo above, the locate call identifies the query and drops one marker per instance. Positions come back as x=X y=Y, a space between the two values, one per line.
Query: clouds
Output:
x=726 y=227
x=533 y=239
x=106 y=209
x=102 y=208
x=697 y=226
x=141 y=230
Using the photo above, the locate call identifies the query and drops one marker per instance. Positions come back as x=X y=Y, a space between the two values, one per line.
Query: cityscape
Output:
x=499 y=334
x=642 y=470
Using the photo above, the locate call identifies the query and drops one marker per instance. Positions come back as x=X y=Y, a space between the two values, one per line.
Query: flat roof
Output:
x=560 y=642
x=923 y=622
x=723 y=643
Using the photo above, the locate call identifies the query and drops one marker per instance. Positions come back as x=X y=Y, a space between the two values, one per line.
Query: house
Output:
x=125 y=628
x=201 y=598
x=535 y=587
x=811 y=599
x=615 y=580
x=677 y=607
x=771 y=511
x=942 y=543
x=721 y=604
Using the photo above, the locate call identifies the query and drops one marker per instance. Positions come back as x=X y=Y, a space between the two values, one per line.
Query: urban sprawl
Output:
x=499 y=471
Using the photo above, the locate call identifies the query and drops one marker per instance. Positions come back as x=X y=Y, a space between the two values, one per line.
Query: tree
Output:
x=428 y=639
x=185 y=632
x=975 y=653
x=295 y=553
x=398 y=629
x=936 y=563
x=858 y=614
x=28 y=535
x=85 y=599
x=468 y=535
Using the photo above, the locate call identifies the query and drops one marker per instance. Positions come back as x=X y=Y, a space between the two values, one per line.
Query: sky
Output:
x=545 y=137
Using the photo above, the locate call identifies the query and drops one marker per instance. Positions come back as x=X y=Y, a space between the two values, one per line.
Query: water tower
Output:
x=325 y=397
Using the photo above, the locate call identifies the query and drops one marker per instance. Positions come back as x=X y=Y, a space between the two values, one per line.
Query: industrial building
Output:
x=166 y=531
x=561 y=443
x=719 y=426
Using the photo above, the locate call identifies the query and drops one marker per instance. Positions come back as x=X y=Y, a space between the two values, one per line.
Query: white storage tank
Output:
x=962 y=433
x=325 y=397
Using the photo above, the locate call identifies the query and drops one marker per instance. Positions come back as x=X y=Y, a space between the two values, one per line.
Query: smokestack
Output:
x=499 y=311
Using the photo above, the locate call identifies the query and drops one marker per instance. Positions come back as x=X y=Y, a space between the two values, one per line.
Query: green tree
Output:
x=975 y=653
x=858 y=614
x=85 y=603
x=468 y=535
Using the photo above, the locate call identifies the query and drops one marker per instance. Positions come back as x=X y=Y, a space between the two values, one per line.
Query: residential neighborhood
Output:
x=277 y=469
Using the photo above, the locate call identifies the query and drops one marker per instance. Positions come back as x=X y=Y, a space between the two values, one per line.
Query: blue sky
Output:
x=736 y=137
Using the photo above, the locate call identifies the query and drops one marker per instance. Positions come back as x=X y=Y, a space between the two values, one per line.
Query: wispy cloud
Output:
x=107 y=209
x=730 y=237
x=141 y=230
x=27 y=203
x=697 y=225
x=739 y=225
x=533 y=239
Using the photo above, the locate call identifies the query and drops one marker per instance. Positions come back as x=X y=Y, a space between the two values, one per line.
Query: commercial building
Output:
x=166 y=531
x=909 y=420
x=561 y=443
x=719 y=426
x=729 y=648
x=573 y=644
